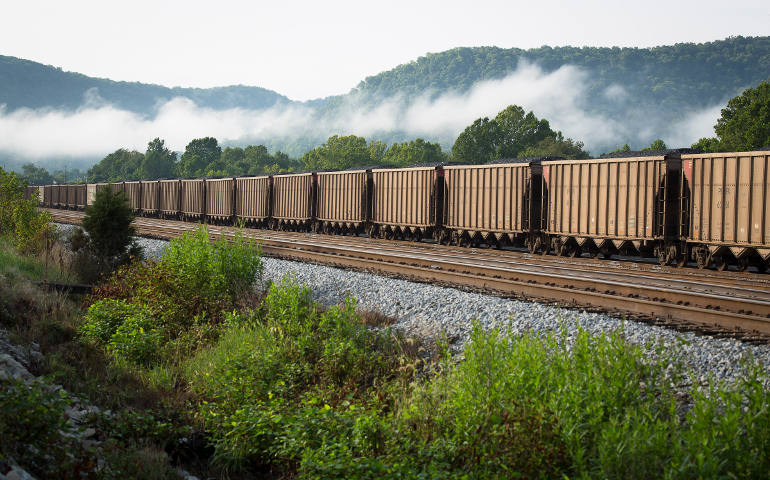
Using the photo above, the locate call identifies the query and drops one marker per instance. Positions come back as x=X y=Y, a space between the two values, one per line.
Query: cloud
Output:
x=98 y=128
x=696 y=125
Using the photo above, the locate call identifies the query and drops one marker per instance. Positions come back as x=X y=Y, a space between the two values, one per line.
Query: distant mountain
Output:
x=24 y=83
x=676 y=76
x=634 y=95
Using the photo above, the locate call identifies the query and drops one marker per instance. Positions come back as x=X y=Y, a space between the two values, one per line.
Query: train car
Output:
x=612 y=205
x=81 y=194
x=59 y=196
x=293 y=200
x=342 y=202
x=31 y=193
x=69 y=196
x=133 y=191
x=404 y=203
x=220 y=200
x=726 y=209
x=150 y=197
x=497 y=204
x=117 y=187
x=93 y=188
x=48 y=196
x=169 y=198
x=253 y=197
x=90 y=193
x=193 y=199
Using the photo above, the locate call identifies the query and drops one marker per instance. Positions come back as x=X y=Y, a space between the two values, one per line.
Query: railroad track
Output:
x=716 y=302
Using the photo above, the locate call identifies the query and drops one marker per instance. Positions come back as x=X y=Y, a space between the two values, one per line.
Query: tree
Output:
x=158 y=162
x=519 y=131
x=557 y=146
x=511 y=134
x=35 y=175
x=708 y=145
x=198 y=155
x=745 y=121
x=338 y=153
x=416 y=151
x=656 y=145
x=117 y=166
x=110 y=241
x=478 y=142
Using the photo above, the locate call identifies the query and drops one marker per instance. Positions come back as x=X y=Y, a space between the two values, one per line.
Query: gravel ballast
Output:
x=430 y=312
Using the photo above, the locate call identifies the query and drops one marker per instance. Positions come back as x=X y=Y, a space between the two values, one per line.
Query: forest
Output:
x=512 y=133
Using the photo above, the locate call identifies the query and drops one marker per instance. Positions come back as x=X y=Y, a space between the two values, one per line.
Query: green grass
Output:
x=294 y=391
x=14 y=264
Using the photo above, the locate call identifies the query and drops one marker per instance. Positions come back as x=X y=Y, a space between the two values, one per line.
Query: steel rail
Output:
x=566 y=286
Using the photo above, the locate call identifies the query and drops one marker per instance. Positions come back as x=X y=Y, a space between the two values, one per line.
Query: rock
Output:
x=18 y=473
x=10 y=369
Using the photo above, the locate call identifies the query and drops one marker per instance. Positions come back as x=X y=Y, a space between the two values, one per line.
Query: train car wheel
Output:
x=742 y=264
x=703 y=258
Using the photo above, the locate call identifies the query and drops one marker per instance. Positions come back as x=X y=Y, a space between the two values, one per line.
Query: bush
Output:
x=137 y=340
x=31 y=418
x=223 y=268
x=19 y=217
x=289 y=380
x=147 y=312
x=105 y=316
x=110 y=241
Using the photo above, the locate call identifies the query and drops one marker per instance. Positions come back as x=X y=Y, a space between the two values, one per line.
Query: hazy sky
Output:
x=311 y=49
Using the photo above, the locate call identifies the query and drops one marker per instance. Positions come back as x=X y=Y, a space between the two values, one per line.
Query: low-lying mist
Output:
x=98 y=128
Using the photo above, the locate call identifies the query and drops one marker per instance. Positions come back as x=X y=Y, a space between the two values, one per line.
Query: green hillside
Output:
x=678 y=76
x=33 y=85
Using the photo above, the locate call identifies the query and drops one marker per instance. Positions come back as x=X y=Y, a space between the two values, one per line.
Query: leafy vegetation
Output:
x=512 y=134
x=744 y=124
x=108 y=240
x=145 y=313
x=19 y=218
x=281 y=387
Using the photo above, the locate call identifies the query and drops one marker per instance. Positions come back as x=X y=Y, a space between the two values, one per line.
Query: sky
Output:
x=313 y=49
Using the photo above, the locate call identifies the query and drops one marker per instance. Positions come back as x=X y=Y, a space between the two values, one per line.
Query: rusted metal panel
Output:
x=404 y=196
x=193 y=191
x=81 y=192
x=618 y=198
x=293 y=196
x=58 y=195
x=727 y=198
x=342 y=196
x=491 y=198
x=30 y=193
x=170 y=196
x=133 y=191
x=150 y=200
x=219 y=198
x=252 y=197
x=116 y=187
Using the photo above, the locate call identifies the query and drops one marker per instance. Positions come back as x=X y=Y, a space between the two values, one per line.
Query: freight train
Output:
x=676 y=206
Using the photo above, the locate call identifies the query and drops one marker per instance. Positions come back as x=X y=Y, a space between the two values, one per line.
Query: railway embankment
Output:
x=296 y=384
x=433 y=312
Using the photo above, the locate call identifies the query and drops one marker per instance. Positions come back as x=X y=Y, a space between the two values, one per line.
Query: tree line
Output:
x=513 y=133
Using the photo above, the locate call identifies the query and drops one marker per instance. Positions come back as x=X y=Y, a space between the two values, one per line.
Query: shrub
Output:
x=105 y=316
x=137 y=340
x=19 y=217
x=110 y=241
x=290 y=380
x=223 y=268
x=31 y=418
